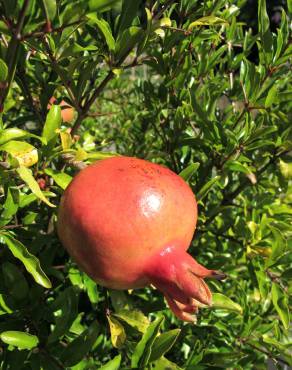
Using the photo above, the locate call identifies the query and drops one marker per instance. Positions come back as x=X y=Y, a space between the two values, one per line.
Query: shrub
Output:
x=186 y=84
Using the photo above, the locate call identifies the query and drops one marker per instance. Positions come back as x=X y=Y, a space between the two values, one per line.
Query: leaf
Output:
x=286 y=169
x=30 y=262
x=53 y=122
x=163 y=344
x=206 y=188
x=221 y=301
x=19 y=339
x=50 y=8
x=101 y=5
x=263 y=18
x=62 y=179
x=16 y=133
x=280 y=303
x=27 y=177
x=118 y=335
x=66 y=305
x=237 y=166
x=279 y=246
x=128 y=13
x=10 y=206
x=3 y=70
x=272 y=97
x=66 y=140
x=189 y=171
x=25 y=154
x=142 y=352
x=113 y=364
x=126 y=42
x=15 y=281
x=134 y=318
x=164 y=364
x=79 y=347
x=210 y=20
x=105 y=29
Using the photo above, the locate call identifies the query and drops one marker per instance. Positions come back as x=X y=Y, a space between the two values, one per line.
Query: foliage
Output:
x=182 y=83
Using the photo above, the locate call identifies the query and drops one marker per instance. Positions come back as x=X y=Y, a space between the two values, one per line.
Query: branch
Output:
x=11 y=55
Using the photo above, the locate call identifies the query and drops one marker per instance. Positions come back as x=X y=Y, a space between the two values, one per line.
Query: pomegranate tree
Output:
x=128 y=223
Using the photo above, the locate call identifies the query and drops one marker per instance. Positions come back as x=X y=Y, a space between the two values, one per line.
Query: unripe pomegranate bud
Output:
x=128 y=223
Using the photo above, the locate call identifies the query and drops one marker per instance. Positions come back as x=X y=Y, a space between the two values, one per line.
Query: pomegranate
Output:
x=127 y=223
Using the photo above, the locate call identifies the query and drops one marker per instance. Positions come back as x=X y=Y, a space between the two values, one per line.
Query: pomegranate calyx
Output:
x=180 y=278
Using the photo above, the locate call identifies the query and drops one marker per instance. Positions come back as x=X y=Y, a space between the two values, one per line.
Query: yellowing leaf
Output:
x=28 y=178
x=66 y=140
x=26 y=154
x=118 y=335
x=286 y=169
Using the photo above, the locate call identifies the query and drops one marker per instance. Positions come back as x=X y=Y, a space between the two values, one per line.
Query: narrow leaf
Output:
x=113 y=364
x=189 y=171
x=19 y=339
x=163 y=344
x=30 y=262
x=53 y=122
x=280 y=303
x=221 y=301
x=142 y=352
x=28 y=178
x=62 y=179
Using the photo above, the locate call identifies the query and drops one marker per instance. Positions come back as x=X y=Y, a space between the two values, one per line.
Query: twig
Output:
x=53 y=30
x=12 y=52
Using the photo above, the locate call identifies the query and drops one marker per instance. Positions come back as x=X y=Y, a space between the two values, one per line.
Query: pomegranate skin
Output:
x=127 y=223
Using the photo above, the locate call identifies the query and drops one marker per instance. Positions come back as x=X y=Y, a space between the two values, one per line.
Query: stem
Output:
x=267 y=353
x=91 y=100
x=12 y=52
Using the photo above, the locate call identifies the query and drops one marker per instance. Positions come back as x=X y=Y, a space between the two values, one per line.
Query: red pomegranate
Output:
x=127 y=223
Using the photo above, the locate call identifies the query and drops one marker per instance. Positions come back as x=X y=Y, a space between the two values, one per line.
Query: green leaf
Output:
x=163 y=344
x=3 y=70
x=236 y=166
x=67 y=305
x=16 y=133
x=53 y=122
x=221 y=301
x=126 y=41
x=62 y=179
x=279 y=246
x=134 y=318
x=210 y=20
x=189 y=171
x=128 y=13
x=105 y=29
x=280 y=302
x=113 y=364
x=27 y=177
x=25 y=154
x=10 y=206
x=206 y=188
x=164 y=364
x=118 y=334
x=142 y=352
x=15 y=281
x=101 y=5
x=19 y=339
x=79 y=347
x=50 y=8
x=30 y=262
x=272 y=97
x=286 y=169
x=263 y=18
